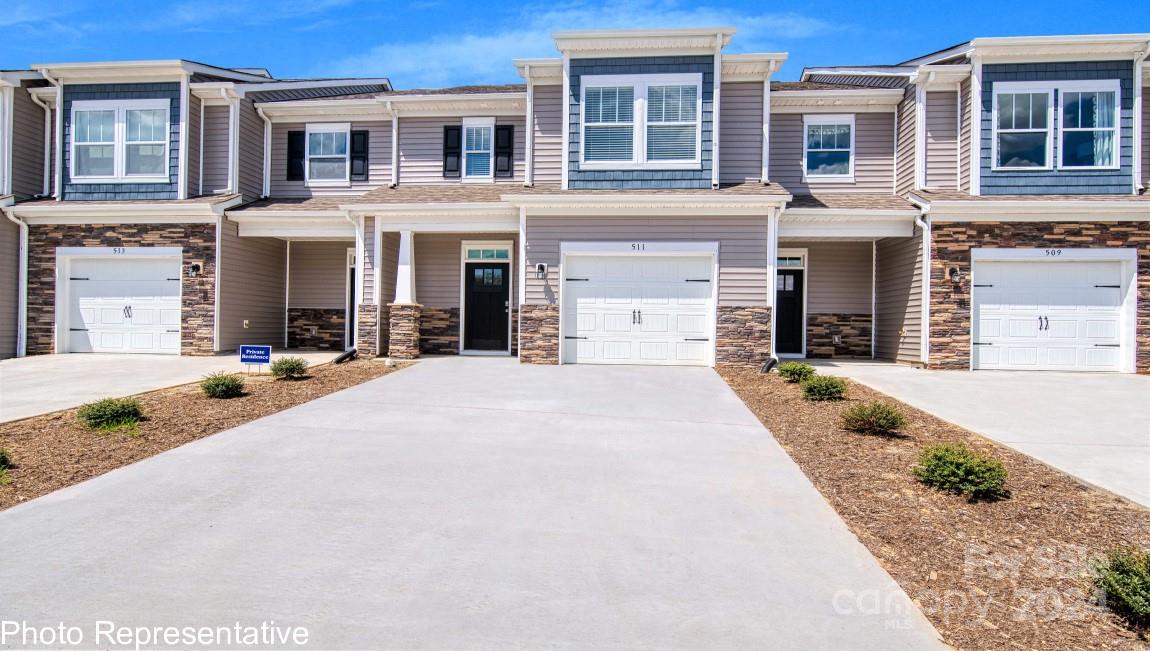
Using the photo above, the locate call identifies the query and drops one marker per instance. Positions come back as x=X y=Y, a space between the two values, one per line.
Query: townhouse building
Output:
x=645 y=197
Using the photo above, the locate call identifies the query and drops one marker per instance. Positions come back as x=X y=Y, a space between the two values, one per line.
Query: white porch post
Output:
x=405 y=277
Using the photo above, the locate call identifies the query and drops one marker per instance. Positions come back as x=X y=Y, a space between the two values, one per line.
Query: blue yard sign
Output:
x=255 y=354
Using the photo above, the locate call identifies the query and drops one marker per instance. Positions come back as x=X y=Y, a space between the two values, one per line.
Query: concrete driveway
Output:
x=1095 y=426
x=40 y=384
x=470 y=503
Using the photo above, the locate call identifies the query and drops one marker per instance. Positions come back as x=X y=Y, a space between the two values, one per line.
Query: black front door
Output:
x=486 y=299
x=789 y=320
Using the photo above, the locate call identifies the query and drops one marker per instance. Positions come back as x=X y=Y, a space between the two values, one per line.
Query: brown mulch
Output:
x=56 y=450
x=1006 y=574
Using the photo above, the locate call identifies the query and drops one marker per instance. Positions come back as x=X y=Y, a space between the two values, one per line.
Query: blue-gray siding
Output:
x=621 y=179
x=1060 y=181
x=123 y=191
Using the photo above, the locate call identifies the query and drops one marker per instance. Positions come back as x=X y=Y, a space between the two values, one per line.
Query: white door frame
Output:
x=64 y=257
x=509 y=245
x=641 y=248
x=348 y=331
x=1127 y=256
x=794 y=252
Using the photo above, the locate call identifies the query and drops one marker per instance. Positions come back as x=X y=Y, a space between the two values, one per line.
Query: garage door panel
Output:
x=124 y=305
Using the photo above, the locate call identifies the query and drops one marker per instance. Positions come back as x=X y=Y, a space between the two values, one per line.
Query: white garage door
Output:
x=638 y=310
x=1063 y=316
x=123 y=305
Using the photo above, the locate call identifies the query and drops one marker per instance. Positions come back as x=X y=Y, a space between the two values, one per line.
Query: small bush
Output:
x=824 y=387
x=796 y=371
x=111 y=414
x=222 y=385
x=958 y=469
x=873 y=418
x=5 y=465
x=289 y=368
x=1123 y=576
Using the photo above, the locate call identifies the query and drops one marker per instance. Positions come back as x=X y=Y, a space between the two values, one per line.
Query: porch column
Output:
x=403 y=313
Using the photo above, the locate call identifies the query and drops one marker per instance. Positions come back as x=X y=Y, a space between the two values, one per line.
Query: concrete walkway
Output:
x=1095 y=426
x=40 y=384
x=471 y=503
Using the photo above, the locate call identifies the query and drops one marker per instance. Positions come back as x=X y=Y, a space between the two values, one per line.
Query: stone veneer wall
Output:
x=743 y=335
x=855 y=330
x=439 y=331
x=330 y=325
x=539 y=334
x=367 y=330
x=950 y=317
x=197 y=314
x=403 y=328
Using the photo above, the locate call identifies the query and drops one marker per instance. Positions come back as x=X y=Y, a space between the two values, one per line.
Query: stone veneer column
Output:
x=742 y=335
x=403 y=319
x=367 y=330
x=539 y=334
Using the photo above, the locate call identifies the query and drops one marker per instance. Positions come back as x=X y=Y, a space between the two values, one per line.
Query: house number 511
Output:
x=638 y=246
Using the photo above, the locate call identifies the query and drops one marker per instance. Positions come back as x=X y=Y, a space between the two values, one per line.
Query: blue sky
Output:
x=420 y=43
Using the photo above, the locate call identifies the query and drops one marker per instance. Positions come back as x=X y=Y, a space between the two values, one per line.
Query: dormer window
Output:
x=117 y=141
x=641 y=121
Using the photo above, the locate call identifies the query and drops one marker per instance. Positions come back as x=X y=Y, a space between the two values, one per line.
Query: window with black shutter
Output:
x=295 y=155
x=504 y=150
x=452 y=150
x=359 y=156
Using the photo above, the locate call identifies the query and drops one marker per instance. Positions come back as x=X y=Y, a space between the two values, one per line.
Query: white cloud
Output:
x=449 y=59
x=229 y=14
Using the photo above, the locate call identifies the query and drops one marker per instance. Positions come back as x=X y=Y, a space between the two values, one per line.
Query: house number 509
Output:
x=1053 y=253
x=638 y=246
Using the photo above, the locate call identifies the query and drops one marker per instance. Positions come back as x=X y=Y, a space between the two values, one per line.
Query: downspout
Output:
x=267 y=167
x=233 y=143
x=7 y=104
x=394 y=144
x=920 y=130
x=182 y=164
x=923 y=222
x=767 y=123
x=716 y=93
x=529 y=127
x=47 y=144
x=59 y=133
x=773 y=220
x=1140 y=135
x=22 y=301
x=357 y=224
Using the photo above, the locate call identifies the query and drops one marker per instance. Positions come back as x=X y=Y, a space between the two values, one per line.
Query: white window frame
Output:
x=640 y=83
x=1015 y=88
x=327 y=127
x=833 y=119
x=119 y=140
x=488 y=123
x=1094 y=86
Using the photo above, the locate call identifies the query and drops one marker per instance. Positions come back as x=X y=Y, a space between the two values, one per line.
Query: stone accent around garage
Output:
x=853 y=330
x=316 y=328
x=439 y=331
x=742 y=335
x=951 y=243
x=367 y=330
x=197 y=313
x=403 y=319
x=539 y=334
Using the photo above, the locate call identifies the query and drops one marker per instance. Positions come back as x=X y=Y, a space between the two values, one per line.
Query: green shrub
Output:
x=824 y=387
x=796 y=371
x=111 y=414
x=873 y=418
x=5 y=465
x=222 y=385
x=958 y=469
x=1123 y=576
x=289 y=368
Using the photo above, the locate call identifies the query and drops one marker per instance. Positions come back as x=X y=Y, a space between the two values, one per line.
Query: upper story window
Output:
x=828 y=147
x=641 y=121
x=478 y=152
x=120 y=141
x=327 y=154
x=1027 y=127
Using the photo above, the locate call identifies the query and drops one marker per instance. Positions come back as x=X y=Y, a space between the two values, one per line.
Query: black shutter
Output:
x=358 y=155
x=504 y=149
x=295 y=155
x=452 y=150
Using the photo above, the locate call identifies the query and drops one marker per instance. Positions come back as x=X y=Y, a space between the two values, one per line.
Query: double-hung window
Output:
x=1033 y=120
x=828 y=147
x=478 y=149
x=641 y=121
x=120 y=141
x=1023 y=120
x=1089 y=124
x=327 y=158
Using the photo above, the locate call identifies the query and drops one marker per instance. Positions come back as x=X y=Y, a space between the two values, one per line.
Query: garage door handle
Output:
x=1107 y=345
x=984 y=285
x=78 y=329
x=697 y=339
x=979 y=343
x=1110 y=286
x=172 y=331
x=578 y=280
x=698 y=280
x=79 y=279
x=570 y=337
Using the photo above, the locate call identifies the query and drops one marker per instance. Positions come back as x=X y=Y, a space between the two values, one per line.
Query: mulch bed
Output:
x=1007 y=574
x=56 y=450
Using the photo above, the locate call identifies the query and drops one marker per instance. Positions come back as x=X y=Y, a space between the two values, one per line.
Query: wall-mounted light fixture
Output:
x=541 y=271
x=193 y=270
x=955 y=276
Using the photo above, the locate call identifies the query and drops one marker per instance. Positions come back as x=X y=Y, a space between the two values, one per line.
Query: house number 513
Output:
x=638 y=246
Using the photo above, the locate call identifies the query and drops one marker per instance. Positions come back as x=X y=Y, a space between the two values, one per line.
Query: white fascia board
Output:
x=1035 y=211
x=543 y=72
x=162 y=68
x=16 y=77
x=868 y=100
x=751 y=67
x=318 y=225
x=404 y=212
x=942 y=77
x=642 y=42
x=64 y=212
x=961 y=49
x=846 y=223
x=46 y=94
x=486 y=104
x=622 y=205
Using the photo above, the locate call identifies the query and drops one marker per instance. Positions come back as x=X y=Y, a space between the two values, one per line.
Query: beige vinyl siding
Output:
x=742 y=249
x=437 y=266
x=421 y=149
x=9 y=286
x=252 y=276
x=251 y=172
x=874 y=155
x=898 y=299
x=548 y=125
x=27 y=145
x=741 y=133
x=195 y=105
x=942 y=139
x=904 y=160
x=378 y=161
x=318 y=275
x=216 y=148
x=838 y=276
x=964 y=135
